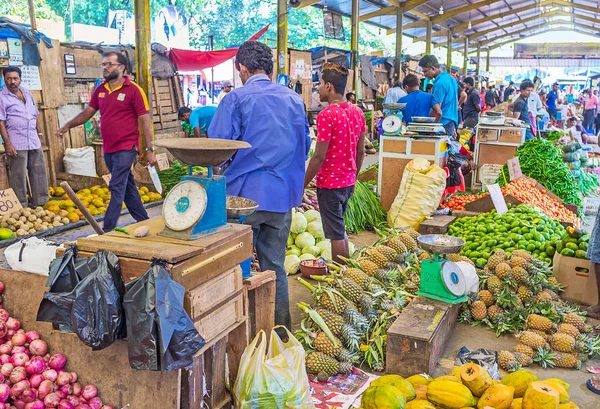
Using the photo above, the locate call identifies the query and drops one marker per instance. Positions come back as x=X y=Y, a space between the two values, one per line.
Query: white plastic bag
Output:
x=80 y=161
x=32 y=255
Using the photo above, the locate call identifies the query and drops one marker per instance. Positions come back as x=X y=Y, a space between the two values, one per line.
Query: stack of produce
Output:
x=172 y=176
x=32 y=378
x=542 y=161
x=521 y=228
x=573 y=243
x=572 y=154
x=587 y=183
x=309 y=199
x=458 y=202
x=469 y=385
x=26 y=221
x=364 y=210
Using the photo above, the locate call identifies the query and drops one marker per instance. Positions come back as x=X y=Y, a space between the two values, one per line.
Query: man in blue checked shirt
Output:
x=272 y=119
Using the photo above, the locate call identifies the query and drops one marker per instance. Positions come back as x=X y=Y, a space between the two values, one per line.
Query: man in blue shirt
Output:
x=551 y=101
x=199 y=119
x=418 y=103
x=272 y=119
x=445 y=91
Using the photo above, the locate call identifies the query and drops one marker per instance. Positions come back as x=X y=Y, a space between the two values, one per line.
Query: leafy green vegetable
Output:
x=121 y=230
x=363 y=211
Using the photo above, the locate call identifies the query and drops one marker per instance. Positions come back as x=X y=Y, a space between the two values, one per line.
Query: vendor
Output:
x=199 y=119
x=445 y=91
x=226 y=88
x=472 y=105
x=418 y=103
x=581 y=134
x=271 y=118
x=552 y=101
x=124 y=110
x=20 y=136
x=521 y=107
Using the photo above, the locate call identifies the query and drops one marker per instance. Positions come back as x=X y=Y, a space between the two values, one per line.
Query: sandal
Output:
x=594 y=384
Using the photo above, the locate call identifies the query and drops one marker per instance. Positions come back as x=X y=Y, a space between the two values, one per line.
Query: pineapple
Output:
x=487 y=297
x=576 y=321
x=478 y=310
x=520 y=275
x=467 y=260
x=360 y=278
x=387 y=276
x=323 y=344
x=535 y=321
x=412 y=233
x=408 y=241
x=565 y=343
x=518 y=262
x=569 y=330
x=524 y=360
x=544 y=358
x=333 y=302
x=424 y=256
x=494 y=311
x=376 y=257
x=347 y=356
x=368 y=266
x=566 y=360
x=335 y=322
x=350 y=337
x=524 y=349
x=355 y=319
x=496 y=258
x=494 y=284
x=523 y=254
x=507 y=361
x=388 y=252
x=542 y=297
x=396 y=244
x=540 y=333
x=350 y=290
x=317 y=362
x=524 y=292
x=454 y=257
x=503 y=271
x=552 y=294
x=345 y=367
x=533 y=340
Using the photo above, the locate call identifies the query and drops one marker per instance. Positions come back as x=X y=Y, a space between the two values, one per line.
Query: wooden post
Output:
x=399 y=33
x=143 y=54
x=282 y=37
x=428 y=38
x=449 y=52
x=466 y=55
x=354 y=45
x=478 y=66
x=31 y=8
x=487 y=61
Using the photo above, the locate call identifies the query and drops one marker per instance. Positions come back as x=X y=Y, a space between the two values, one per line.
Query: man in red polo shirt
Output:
x=123 y=108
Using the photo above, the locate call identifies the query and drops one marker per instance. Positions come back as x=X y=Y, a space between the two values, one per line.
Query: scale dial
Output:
x=391 y=124
x=453 y=278
x=184 y=206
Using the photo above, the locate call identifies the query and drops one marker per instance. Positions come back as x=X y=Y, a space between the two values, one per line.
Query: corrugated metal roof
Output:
x=559 y=63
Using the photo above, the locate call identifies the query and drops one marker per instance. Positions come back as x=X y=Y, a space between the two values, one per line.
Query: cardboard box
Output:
x=487 y=134
x=580 y=282
x=515 y=135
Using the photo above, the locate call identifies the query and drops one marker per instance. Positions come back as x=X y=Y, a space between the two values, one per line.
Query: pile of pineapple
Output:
x=356 y=304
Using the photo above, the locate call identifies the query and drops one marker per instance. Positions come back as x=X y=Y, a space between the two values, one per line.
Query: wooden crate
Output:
x=488 y=134
x=437 y=224
x=261 y=301
x=214 y=292
x=516 y=135
x=417 y=338
x=221 y=317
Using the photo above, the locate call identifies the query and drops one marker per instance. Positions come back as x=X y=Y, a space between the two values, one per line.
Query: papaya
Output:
x=540 y=396
x=450 y=394
x=497 y=396
x=382 y=397
x=572 y=246
x=568 y=405
x=560 y=382
x=419 y=404
x=567 y=252
x=476 y=378
x=450 y=378
x=421 y=391
x=563 y=395
x=399 y=383
x=580 y=254
x=559 y=245
x=516 y=404
x=456 y=371
x=419 y=380
x=519 y=380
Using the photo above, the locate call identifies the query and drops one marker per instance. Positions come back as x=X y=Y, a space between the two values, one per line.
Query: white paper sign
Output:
x=514 y=168
x=15 y=49
x=30 y=78
x=300 y=68
x=497 y=198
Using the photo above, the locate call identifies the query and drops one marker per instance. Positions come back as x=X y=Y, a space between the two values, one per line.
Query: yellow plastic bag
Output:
x=419 y=194
x=274 y=378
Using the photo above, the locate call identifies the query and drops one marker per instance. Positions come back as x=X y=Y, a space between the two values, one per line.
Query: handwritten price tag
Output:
x=163 y=161
x=9 y=201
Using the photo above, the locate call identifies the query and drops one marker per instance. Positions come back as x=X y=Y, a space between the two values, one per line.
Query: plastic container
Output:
x=313 y=268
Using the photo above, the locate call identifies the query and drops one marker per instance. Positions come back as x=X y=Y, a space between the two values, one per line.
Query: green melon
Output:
x=382 y=397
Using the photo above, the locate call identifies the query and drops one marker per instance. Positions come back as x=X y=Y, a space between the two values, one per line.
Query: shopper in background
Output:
x=593 y=253
x=521 y=106
x=199 y=118
x=272 y=119
x=226 y=88
x=124 y=109
x=581 y=135
x=393 y=95
x=338 y=157
x=418 y=103
x=20 y=136
x=429 y=88
x=445 y=91
x=590 y=109
x=490 y=97
x=552 y=101
x=462 y=98
x=509 y=91
x=472 y=105
x=350 y=97
x=501 y=94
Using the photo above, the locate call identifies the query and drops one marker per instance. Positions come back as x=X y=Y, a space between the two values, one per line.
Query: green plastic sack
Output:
x=273 y=378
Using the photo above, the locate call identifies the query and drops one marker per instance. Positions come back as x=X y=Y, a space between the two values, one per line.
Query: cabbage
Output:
x=305 y=257
x=324 y=245
x=291 y=264
x=290 y=240
x=312 y=215
x=314 y=250
x=294 y=251
x=316 y=229
x=326 y=254
x=305 y=240
x=299 y=223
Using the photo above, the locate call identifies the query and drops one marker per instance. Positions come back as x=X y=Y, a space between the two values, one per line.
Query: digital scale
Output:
x=392 y=123
x=492 y=118
x=426 y=129
x=442 y=279
x=199 y=205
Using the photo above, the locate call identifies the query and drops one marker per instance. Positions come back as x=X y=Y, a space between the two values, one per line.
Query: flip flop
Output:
x=592 y=387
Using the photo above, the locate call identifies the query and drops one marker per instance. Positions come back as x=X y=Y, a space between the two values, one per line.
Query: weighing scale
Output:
x=392 y=123
x=442 y=279
x=492 y=118
x=426 y=129
x=197 y=206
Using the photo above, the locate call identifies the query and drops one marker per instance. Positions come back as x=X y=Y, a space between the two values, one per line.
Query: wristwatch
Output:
x=150 y=149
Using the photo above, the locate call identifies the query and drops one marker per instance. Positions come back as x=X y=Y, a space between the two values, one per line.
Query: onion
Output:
x=95 y=403
x=4 y=359
x=46 y=387
x=29 y=395
x=51 y=400
x=82 y=406
x=50 y=374
x=73 y=400
x=65 y=404
x=18 y=348
x=20 y=359
x=3 y=405
x=35 y=366
x=89 y=392
x=4 y=315
x=3 y=329
x=18 y=388
x=60 y=394
x=103 y=407
x=7 y=369
x=31 y=335
x=36 y=380
x=57 y=361
x=4 y=392
x=1 y=287
x=36 y=404
x=74 y=376
x=19 y=404
x=10 y=333
x=38 y=347
x=67 y=389
x=17 y=375
x=6 y=348
x=64 y=378
x=18 y=339
x=77 y=389
x=13 y=324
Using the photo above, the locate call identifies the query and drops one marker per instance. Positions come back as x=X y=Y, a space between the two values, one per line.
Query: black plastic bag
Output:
x=162 y=337
x=65 y=273
x=97 y=314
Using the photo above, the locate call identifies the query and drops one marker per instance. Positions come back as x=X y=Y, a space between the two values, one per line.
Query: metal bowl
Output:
x=441 y=244
x=240 y=206
x=423 y=119
x=397 y=105
x=201 y=151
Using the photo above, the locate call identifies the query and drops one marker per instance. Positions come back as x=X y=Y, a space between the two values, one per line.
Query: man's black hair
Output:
x=429 y=86
x=526 y=84
x=470 y=81
x=429 y=61
x=11 y=68
x=255 y=56
x=336 y=75
x=182 y=111
x=349 y=94
x=397 y=84
x=121 y=59
x=411 y=80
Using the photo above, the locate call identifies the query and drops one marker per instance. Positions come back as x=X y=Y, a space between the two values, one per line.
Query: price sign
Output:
x=163 y=161
x=497 y=198
x=9 y=201
x=514 y=168
x=107 y=178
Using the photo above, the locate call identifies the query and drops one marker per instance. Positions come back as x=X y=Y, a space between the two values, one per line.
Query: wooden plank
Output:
x=158 y=106
x=261 y=301
x=437 y=224
x=179 y=101
x=237 y=341
x=55 y=163
x=77 y=135
x=51 y=75
x=192 y=385
x=78 y=182
x=214 y=364
x=219 y=318
x=485 y=204
x=213 y=292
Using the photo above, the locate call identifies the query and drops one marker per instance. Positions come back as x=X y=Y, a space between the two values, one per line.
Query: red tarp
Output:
x=192 y=60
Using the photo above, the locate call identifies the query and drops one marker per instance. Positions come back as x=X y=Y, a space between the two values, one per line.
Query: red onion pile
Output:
x=32 y=379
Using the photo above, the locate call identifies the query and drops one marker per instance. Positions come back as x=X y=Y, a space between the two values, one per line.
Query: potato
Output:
x=57 y=218
x=42 y=228
x=15 y=215
x=12 y=228
x=65 y=220
x=37 y=225
x=5 y=218
x=39 y=209
x=40 y=215
x=18 y=224
x=50 y=214
x=47 y=219
x=27 y=213
x=21 y=232
x=56 y=223
x=23 y=210
x=11 y=221
x=23 y=219
x=32 y=218
x=32 y=231
x=4 y=225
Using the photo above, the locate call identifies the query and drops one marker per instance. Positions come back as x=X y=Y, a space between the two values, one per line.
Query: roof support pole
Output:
x=143 y=54
x=466 y=57
x=449 y=52
x=478 y=66
x=399 y=32
x=354 y=45
x=282 y=37
x=32 y=14
x=428 y=38
x=487 y=61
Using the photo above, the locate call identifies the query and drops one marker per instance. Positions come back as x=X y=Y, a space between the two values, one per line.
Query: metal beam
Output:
x=428 y=43
x=538 y=32
x=385 y=11
x=487 y=61
x=449 y=53
x=459 y=10
x=529 y=35
x=478 y=66
x=399 y=34
x=282 y=37
x=581 y=16
x=562 y=3
x=307 y=3
x=354 y=44
x=143 y=54
x=466 y=57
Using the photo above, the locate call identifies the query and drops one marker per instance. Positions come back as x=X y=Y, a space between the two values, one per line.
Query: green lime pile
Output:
x=522 y=227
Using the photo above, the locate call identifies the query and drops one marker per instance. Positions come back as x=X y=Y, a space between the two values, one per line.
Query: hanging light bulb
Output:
x=441 y=9
x=470 y=25
x=325 y=7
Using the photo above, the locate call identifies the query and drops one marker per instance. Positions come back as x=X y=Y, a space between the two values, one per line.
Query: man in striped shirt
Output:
x=18 y=128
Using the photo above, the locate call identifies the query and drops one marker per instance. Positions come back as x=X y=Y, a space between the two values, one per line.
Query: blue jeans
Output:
x=270 y=232
x=122 y=189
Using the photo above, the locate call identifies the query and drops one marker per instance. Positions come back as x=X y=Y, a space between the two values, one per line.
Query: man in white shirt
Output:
x=393 y=95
